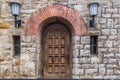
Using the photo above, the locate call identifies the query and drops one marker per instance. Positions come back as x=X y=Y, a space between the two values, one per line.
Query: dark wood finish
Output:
x=56 y=52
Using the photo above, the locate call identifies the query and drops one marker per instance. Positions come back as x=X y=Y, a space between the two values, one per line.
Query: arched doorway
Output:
x=36 y=26
x=56 y=52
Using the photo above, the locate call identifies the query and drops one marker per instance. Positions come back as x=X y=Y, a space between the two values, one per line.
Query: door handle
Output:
x=67 y=57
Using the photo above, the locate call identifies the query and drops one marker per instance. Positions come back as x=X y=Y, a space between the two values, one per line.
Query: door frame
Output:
x=42 y=47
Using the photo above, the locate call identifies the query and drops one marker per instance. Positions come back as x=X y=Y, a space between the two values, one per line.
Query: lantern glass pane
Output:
x=93 y=9
x=15 y=8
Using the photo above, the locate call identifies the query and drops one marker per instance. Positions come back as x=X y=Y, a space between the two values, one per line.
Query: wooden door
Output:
x=56 y=52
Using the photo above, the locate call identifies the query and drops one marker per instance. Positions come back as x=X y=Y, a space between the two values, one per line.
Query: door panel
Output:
x=56 y=52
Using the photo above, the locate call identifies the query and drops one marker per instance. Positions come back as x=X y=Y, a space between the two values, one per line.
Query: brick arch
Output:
x=56 y=11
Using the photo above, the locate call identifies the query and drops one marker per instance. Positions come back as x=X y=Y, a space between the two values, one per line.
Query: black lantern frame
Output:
x=15 y=10
x=93 y=9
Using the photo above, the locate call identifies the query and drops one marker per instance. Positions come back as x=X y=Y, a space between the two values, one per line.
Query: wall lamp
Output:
x=93 y=7
x=15 y=10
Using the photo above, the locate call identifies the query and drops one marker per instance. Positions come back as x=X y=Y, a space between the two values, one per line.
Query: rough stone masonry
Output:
x=28 y=65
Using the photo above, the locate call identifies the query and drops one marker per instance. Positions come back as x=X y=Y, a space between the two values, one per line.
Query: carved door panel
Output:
x=56 y=52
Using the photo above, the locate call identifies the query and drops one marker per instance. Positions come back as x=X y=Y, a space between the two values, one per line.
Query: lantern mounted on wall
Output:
x=15 y=10
x=93 y=7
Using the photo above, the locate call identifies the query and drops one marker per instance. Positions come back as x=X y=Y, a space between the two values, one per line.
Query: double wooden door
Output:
x=56 y=52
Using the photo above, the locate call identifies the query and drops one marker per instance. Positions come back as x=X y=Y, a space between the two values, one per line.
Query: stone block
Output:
x=25 y=57
x=78 y=71
x=7 y=47
x=32 y=50
x=109 y=55
x=6 y=68
x=112 y=61
x=85 y=39
x=118 y=62
x=109 y=72
x=86 y=77
x=76 y=39
x=95 y=60
x=78 y=8
x=33 y=57
x=102 y=50
x=6 y=77
x=110 y=23
x=28 y=11
x=16 y=71
x=106 y=4
x=81 y=71
x=111 y=66
x=16 y=61
x=76 y=53
x=106 y=15
x=26 y=39
x=117 y=71
x=114 y=50
x=105 y=31
x=116 y=15
x=102 y=20
x=75 y=77
x=102 y=70
x=97 y=77
x=4 y=26
x=117 y=55
x=25 y=72
x=23 y=50
x=105 y=61
x=102 y=38
x=78 y=66
x=111 y=10
x=103 y=10
x=24 y=44
x=78 y=46
x=87 y=47
x=85 y=53
x=89 y=66
x=32 y=72
x=85 y=60
x=5 y=57
x=100 y=44
x=76 y=60
x=108 y=44
x=116 y=26
x=5 y=10
x=117 y=4
x=72 y=1
x=91 y=71
x=113 y=31
x=112 y=38
x=94 y=32
x=75 y=71
x=111 y=77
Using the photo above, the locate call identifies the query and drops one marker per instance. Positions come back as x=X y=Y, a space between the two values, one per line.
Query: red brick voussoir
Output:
x=55 y=11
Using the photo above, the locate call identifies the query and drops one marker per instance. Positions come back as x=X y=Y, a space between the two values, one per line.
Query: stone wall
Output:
x=85 y=66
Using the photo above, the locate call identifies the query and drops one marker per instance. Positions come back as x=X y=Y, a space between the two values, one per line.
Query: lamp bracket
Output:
x=17 y=22
x=92 y=22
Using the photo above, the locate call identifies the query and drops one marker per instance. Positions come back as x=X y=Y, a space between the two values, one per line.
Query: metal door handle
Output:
x=67 y=57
